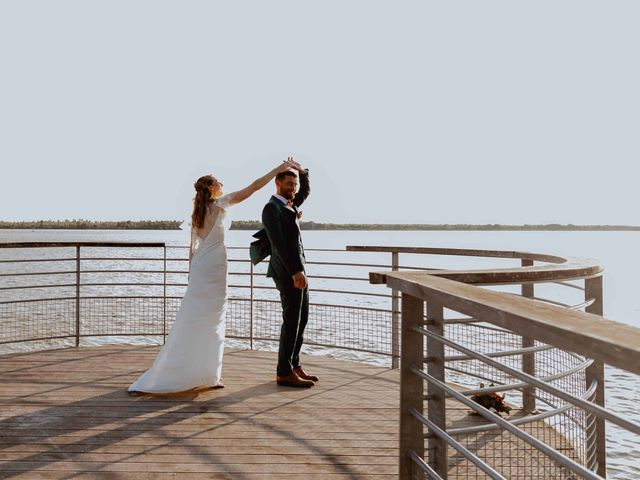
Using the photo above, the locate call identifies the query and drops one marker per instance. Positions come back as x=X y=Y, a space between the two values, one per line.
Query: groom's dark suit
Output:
x=282 y=229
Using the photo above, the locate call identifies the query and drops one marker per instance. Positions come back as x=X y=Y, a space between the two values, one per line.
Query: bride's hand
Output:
x=294 y=165
x=288 y=164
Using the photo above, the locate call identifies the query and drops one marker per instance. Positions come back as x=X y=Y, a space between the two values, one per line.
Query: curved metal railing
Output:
x=56 y=293
x=573 y=398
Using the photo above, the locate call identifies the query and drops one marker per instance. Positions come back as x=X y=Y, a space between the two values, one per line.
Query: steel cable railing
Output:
x=574 y=395
x=144 y=284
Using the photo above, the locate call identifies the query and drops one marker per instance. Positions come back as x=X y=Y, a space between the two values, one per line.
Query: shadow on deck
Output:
x=66 y=414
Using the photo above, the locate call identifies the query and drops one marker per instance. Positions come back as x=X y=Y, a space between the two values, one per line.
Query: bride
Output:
x=192 y=354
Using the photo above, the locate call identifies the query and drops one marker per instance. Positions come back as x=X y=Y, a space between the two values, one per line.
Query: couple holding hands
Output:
x=192 y=355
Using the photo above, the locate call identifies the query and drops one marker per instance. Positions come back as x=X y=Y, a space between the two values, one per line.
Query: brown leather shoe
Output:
x=302 y=374
x=293 y=380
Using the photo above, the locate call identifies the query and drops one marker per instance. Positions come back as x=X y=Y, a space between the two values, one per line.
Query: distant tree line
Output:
x=256 y=225
x=251 y=225
x=96 y=225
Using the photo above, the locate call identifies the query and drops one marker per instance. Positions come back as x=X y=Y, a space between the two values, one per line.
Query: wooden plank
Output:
x=183 y=449
x=195 y=476
x=180 y=467
x=411 y=394
x=81 y=244
x=578 y=269
x=436 y=404
x=458 y=252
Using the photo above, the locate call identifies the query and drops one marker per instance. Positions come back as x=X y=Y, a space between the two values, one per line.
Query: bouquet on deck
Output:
x=492 y=401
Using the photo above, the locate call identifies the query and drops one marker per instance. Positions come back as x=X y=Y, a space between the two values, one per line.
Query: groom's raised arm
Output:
x=303 y=193
x=279 y=247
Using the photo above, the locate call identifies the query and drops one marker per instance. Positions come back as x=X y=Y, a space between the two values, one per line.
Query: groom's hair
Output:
x=288 y=173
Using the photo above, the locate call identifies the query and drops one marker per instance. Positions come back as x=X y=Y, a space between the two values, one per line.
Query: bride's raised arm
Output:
x=240 y=195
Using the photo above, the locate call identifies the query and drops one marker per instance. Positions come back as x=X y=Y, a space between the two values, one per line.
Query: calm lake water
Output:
x=616 y=251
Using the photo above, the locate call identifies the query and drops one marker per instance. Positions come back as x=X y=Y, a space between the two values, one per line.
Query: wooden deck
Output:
x=66 y=414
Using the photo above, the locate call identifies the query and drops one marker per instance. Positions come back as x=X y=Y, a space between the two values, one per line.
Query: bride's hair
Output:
x=201 y=200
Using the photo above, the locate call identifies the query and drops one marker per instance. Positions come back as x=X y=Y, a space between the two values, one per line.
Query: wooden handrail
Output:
x=611 y=342
x=540 y=257
x=80 y=244
x=558 y=268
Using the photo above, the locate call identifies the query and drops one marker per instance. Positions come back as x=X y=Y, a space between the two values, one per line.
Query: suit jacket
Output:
x=280 y=236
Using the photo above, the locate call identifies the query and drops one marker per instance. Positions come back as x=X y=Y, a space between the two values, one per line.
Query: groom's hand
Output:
x=300 y=280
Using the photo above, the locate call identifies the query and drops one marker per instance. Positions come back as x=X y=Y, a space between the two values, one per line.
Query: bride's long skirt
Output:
x=192 y=354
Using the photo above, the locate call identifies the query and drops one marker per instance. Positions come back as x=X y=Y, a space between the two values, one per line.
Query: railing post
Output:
x=251 y=307
x=596 y=433
x=436 y=407
x=395 y=316
x=411 y=387
x=77 y=295
x=528 y=359
x=164 y=297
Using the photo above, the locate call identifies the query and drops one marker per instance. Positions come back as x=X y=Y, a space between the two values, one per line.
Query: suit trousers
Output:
x=295 y=313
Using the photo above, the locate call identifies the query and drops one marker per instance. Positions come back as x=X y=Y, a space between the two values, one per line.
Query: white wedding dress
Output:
x=192 y=354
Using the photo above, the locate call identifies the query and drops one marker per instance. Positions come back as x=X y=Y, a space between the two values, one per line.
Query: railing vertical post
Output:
x=77 y=295
x=411 y=387
x=251 y=307
x=436 y=407
x=395 y=316
x=596 y=445
x=528 y=359
x=164 y=298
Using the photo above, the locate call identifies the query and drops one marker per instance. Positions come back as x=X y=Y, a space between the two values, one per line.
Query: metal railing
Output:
x=63 y=294
x=550 y=333
x=73 y=292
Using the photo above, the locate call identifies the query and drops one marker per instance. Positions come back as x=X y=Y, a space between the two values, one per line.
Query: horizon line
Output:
x=310 y=225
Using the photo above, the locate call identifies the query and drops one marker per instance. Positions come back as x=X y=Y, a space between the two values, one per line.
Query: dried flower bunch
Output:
x=492 y=401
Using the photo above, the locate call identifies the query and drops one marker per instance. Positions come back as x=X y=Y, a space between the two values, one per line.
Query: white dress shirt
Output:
x=283 y=200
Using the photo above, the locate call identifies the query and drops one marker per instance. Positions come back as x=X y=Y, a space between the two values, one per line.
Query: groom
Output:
x=281 y=238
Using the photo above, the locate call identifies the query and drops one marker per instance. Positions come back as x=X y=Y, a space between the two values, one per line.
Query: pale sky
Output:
x=404 y=111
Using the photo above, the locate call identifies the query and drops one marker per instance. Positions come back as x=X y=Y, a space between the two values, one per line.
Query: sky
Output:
x=403 y=111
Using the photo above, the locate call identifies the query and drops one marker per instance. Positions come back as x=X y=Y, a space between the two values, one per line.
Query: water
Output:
x=616 y=251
